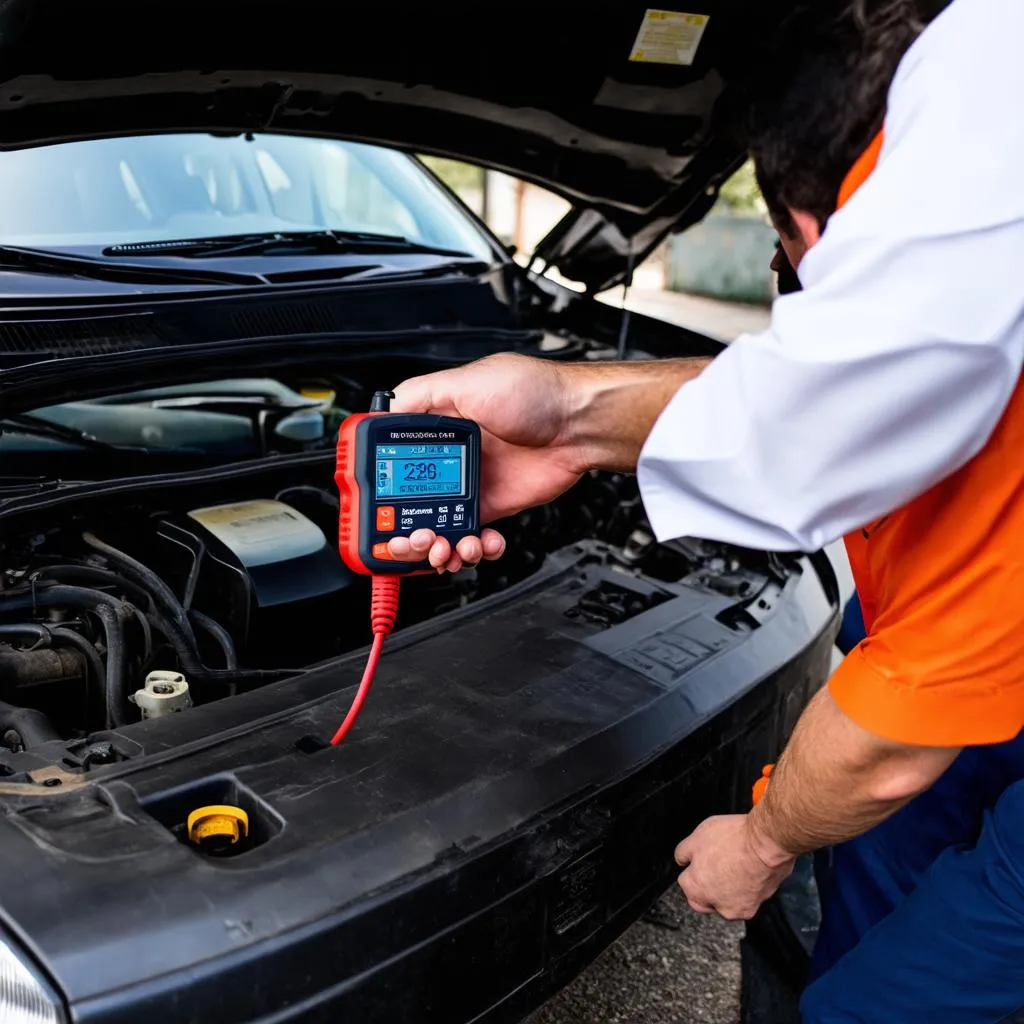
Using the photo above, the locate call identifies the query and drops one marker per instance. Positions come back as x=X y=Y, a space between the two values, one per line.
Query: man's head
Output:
x=825 y=103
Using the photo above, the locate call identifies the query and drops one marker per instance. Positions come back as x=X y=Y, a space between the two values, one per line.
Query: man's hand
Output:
x=834 y=781
x=522 y=408
x=543 y=424
x=729 y=869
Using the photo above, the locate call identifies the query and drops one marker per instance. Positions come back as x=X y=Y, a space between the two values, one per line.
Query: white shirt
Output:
x=892 y=367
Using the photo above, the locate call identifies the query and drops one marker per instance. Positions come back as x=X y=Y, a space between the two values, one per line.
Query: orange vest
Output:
x=941 y=584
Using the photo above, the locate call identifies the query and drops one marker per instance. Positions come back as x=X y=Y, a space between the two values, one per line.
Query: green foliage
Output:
x=741 y=196
x=458 y=176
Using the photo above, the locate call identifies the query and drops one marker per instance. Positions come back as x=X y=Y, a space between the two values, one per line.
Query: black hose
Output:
x=219 y=634
x=147 y=633
x=41 y=635
x=185 y=651
x=193 y=667
x=69 y=638
x=150 y=582
x=61 y=636
x=108 y=610
x=107 y=607
x=70 y=572
x=32 y=726
x=94 y=574
x=63 y=572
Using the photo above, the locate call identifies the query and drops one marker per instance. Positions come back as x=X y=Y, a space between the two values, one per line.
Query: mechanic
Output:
x=882 y=405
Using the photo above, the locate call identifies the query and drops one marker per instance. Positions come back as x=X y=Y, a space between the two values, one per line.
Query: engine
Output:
x=149 y=607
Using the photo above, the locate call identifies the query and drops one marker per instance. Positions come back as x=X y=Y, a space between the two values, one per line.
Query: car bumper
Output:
x=473 y=903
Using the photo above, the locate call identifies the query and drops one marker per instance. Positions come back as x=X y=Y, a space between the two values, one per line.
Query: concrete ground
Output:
x=674 y=966
x=723 y=321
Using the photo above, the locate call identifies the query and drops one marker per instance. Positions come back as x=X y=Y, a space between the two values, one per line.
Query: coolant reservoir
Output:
x=163 y=693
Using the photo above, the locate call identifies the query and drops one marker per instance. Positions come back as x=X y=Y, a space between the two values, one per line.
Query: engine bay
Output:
x=138 y=602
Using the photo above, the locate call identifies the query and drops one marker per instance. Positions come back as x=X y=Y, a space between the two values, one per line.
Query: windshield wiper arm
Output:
x=36 y=426
x=43 y=261
x=285 y=243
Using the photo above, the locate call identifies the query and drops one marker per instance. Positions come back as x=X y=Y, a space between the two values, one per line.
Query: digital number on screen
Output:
x=420 y=470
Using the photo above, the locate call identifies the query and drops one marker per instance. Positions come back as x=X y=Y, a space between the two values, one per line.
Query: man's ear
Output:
x=807 y=227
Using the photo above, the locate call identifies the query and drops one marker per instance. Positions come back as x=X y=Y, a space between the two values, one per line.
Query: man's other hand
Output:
x=727 y=869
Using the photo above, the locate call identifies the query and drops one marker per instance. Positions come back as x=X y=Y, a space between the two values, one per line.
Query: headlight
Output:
x=23 y=999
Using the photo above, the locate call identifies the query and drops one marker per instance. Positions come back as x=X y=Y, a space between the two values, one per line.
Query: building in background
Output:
x=725 y=257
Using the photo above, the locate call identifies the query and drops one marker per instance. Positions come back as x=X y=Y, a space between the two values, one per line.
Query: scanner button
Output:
x=385 y=518
x=381 y=551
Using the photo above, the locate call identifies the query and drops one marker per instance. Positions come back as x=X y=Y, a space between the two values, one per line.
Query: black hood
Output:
x=554 y=93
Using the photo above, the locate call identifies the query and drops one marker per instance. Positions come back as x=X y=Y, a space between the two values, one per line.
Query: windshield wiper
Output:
x=36 y=426
x=43 y=261
x=285 y=243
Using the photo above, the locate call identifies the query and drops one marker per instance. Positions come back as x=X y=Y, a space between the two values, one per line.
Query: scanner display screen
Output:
x=420 y=470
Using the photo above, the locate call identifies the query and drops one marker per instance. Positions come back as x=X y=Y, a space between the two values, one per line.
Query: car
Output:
x=211 y=251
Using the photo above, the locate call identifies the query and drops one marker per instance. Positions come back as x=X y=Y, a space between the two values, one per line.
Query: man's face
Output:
x=786 y=278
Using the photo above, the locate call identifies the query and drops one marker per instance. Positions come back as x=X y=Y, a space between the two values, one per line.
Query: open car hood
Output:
x=614 y=106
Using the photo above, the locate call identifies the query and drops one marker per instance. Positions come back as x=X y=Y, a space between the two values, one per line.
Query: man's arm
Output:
x=612 y=407
x=834 y=781
x=543 y=424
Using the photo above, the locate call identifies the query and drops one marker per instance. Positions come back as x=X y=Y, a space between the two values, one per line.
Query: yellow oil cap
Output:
x=218 y=824
x=324 y=396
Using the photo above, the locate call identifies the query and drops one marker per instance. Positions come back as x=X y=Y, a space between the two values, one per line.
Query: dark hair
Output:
x=822 y=100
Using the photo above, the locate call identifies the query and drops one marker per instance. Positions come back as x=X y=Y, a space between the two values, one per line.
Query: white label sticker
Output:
x=668 y=37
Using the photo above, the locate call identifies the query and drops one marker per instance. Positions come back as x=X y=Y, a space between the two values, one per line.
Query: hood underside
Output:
x=613 y=105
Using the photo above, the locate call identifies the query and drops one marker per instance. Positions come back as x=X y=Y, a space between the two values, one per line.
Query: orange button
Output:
x=381 y=551
x=385 y=518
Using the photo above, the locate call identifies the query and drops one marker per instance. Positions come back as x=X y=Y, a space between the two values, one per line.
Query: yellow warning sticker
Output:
x=668 y=37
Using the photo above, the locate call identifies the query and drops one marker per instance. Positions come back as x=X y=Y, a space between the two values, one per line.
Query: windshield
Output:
x=165 y=187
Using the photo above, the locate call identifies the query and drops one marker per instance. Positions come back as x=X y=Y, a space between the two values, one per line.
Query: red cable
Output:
x=383 y=612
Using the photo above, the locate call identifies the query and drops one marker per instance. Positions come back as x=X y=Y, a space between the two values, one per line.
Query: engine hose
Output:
x=183 y=645
x=219 y=634
x=147 y=633
x=71 y=573
x=32 y=726
x=69 y=638
x=41 y=635
x=149 y=581
x=59 y=636
x=196 y=671
x=108 y=610
x=56 y=594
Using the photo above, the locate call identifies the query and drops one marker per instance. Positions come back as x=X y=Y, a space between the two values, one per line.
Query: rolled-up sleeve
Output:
x=892 y=367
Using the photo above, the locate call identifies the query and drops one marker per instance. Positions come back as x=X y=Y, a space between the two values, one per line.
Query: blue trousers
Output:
x=923 y=916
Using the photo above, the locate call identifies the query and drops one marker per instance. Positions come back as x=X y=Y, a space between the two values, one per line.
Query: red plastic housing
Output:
x=348 y=491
